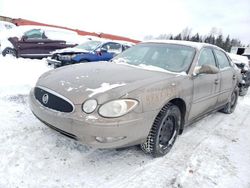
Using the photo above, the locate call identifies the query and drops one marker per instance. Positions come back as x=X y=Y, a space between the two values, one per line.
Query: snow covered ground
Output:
x=214 y=152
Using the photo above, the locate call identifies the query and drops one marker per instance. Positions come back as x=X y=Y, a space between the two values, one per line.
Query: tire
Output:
x=231 y=105
x=9 y=51
x=164 y=131
x=243 y=91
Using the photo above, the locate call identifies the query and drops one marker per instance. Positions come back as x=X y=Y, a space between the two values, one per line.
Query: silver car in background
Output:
x=144 y=96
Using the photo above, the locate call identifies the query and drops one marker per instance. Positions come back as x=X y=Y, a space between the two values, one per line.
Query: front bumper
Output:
x=87 y=128
x=54 y=62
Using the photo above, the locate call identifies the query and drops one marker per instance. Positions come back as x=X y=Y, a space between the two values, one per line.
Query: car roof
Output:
x=197 y=45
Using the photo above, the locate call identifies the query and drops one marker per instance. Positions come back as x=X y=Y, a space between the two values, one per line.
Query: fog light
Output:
x=109 y=139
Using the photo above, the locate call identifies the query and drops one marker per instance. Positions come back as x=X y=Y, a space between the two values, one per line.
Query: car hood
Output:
x=92 y=80
x=70 y=50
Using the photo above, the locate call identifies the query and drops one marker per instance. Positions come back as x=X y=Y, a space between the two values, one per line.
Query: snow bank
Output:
x=19 y=75
x=239 y=58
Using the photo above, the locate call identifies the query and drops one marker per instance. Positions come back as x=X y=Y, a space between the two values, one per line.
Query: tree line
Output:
x=215 y=37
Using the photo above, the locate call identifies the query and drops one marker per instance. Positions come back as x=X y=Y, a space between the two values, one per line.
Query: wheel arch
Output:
x=180 y=103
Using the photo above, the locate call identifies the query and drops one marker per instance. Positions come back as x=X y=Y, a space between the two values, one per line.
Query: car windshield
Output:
x=89 y=45
x=170 y=57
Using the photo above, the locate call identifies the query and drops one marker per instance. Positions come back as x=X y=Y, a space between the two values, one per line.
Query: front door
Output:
x=31 y=42
x=35 y=43
x=206 y=87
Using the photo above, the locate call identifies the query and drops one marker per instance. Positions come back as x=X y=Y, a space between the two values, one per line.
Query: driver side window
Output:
x=113 y=47
x=206 y=57
x=35 y=34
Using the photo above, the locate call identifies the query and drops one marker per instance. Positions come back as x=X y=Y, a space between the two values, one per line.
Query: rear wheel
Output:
x=164 y=131
x=9 y=51
x=231 y=105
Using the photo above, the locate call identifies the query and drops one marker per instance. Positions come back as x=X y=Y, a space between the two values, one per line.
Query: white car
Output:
x=6 y=25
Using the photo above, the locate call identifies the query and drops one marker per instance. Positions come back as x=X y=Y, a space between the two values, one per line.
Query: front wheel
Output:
x=164 y=131
x=231 y=105
x=9 y=51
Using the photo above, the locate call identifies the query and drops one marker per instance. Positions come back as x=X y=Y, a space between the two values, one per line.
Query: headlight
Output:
x=89 y=106
x=117 y=108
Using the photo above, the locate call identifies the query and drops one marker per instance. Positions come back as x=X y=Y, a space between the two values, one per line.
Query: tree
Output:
x=162 y=36
x=227 y=44
x=148 y=37
x=186 y=33
x=219 y=41
x=196 y=38
x=215 y=37
x=210 y=39
x=178 y=37
x=235 y=42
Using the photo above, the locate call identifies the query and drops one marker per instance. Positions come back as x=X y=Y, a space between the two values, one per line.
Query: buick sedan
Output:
x=144 y=96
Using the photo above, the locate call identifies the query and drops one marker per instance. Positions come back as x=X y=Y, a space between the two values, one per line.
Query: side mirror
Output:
x=207 y=69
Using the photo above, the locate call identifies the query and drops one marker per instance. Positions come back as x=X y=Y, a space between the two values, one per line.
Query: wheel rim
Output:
x=167 y=132
x=11 y=52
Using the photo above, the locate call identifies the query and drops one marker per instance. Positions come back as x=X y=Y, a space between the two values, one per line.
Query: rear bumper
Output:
x=89 y=129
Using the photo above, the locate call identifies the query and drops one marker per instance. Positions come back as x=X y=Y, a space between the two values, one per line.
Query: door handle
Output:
x=216 y=81
x=40 y=42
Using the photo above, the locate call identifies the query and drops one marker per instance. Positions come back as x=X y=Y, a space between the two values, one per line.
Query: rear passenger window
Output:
x=222 y=59
x=206 y=57
x=34 y=34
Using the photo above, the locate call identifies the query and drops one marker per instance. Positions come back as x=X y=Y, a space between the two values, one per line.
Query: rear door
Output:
x=227 y=79
x=206 y=87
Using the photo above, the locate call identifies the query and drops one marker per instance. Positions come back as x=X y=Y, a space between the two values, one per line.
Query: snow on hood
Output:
x=69 y=50
x=81 y=81
x=104 y=87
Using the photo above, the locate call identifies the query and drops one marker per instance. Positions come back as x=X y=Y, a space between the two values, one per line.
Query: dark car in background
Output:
x=242 y=64
x=37 y=42
x=89 y=51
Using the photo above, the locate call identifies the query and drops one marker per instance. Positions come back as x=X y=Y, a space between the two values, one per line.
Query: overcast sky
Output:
x=138 y=18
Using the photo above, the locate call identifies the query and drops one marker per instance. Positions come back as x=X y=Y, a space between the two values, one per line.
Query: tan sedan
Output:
x=146 y=95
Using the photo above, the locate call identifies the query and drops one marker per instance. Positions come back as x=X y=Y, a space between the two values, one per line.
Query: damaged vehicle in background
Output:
x=37 y=41
x=89 y=51
x=145 y=95
x=242 y=64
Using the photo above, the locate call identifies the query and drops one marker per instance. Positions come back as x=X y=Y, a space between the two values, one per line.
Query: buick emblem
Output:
x=45 y=98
